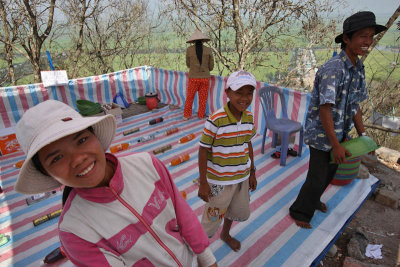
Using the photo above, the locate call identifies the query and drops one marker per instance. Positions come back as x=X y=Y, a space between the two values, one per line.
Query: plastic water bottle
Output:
x=119 y=147
x=19 y=164
x=179 y=160
x=39 y=197
x=54 y=256
x=183 y=193
x=162 y=149
x=146 y=138
x=187 y=138
x=131 y=131
x=171 y=131
x=156 y=120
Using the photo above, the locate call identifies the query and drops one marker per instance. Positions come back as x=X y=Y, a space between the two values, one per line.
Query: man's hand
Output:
x=204 y=191
x=252 y=181
x=340 y=153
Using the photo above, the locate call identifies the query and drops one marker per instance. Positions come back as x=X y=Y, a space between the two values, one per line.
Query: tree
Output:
x=78 y=12
x=243 y=30
x=106 y=35
x=36 y=21
x=8 y=37
x=389 y=24
x=383 y=91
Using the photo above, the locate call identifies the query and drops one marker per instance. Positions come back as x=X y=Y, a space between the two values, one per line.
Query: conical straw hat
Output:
x=197 y=35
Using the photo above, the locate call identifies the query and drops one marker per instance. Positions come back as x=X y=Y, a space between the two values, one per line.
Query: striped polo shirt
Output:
x=227 y=141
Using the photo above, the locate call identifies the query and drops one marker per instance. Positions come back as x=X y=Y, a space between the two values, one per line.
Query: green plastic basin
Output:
x=358 y=146
x=87 y=108
x=142 y=100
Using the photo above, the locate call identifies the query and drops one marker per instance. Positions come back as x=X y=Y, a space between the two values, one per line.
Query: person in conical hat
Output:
x=198 y=36
x=200 y=61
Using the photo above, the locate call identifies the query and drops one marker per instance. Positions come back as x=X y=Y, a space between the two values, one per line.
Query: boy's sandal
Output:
x=292 y=152
x=276 y=155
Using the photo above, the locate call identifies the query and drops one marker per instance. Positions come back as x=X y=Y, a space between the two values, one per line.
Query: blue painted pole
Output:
x=50 y=62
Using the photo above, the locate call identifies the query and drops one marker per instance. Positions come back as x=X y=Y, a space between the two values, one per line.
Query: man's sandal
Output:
x=276 y=155
x=292 y=152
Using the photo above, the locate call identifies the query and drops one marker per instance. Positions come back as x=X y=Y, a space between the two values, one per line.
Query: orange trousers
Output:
x=201 y=85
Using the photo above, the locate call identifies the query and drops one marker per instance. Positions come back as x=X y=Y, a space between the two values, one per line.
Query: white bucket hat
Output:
x=241 y=78
x=197 y=35
x=48 y=122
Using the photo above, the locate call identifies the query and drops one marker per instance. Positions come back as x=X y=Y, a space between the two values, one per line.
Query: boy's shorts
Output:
x=229 y=201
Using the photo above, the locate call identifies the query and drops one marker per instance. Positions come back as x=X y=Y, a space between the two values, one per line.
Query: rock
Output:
x=353 y=249
x=369 y=160
x=332 y=251
x=388 y=198
x=357 y=244
x=350 y=262
x=363 y=172
x=388 y=154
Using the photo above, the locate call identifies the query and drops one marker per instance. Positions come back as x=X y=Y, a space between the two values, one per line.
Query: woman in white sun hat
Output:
x=117 y=211
x=200 y=61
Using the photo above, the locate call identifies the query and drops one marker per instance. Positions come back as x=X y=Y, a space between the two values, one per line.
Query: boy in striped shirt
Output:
x=226 y=164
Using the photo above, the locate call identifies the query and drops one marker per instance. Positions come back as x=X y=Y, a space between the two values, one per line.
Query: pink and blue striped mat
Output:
x=269 y=237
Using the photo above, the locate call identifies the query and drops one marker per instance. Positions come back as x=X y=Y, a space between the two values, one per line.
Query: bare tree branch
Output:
x=389 y=24
x=381 y=128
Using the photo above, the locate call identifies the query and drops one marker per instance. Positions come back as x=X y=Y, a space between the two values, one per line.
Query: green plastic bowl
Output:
x=358 y=146
x=142 y=100
x=88 y=108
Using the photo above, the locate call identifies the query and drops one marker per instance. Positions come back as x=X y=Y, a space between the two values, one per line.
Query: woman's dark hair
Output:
x=199 y=50
x=349 y=35
x=38 y=165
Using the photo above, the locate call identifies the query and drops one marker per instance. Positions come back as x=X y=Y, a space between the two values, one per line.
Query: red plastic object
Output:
x=119 y=147
x=171 y=131
x=187 y=138
x=19 y=164
x=156 y=120
x=180 y=159
x=183 y=193
x=152 y=100
x=341 y=181
x=9 y=144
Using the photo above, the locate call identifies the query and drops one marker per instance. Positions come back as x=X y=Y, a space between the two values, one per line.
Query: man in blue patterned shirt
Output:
x=339 y=87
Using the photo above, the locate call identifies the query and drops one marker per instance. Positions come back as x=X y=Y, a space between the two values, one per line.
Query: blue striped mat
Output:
x=269 y=237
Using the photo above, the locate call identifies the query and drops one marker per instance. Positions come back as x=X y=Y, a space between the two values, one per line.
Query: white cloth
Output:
x=373 y=251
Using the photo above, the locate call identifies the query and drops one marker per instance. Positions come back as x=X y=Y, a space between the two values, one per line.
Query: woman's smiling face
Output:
x=77 y=160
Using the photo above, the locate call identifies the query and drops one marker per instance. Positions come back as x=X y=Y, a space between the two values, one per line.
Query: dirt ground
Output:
x=380 y=224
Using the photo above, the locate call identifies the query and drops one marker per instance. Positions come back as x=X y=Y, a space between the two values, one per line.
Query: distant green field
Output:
x=3 y=63
x=378 y=64
x=270 y=65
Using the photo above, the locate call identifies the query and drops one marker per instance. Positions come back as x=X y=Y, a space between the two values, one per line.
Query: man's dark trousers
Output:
x=320 y=174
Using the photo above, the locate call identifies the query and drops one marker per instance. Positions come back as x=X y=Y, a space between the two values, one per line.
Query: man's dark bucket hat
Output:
x=359 y=21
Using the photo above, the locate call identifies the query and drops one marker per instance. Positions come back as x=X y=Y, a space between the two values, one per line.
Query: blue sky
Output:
x=379 y=7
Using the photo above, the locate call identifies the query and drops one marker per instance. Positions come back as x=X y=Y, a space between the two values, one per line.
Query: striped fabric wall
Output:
x=132 y=83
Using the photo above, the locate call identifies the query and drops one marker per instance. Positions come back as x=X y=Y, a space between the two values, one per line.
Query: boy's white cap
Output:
x=241 y=78
x=48 y=122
